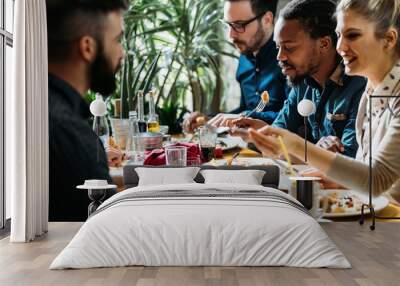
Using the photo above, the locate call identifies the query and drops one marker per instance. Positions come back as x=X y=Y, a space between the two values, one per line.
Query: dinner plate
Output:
x=221 y=130
x=229 y=142
x=379 y=203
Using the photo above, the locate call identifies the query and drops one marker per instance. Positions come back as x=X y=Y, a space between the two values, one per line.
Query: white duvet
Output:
x=202 y=231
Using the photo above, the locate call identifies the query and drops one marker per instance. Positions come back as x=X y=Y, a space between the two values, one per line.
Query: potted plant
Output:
x=131 y=81
x=176 y=46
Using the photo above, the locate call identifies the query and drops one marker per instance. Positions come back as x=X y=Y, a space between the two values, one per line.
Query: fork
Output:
x=260 y=107
x=230 y=160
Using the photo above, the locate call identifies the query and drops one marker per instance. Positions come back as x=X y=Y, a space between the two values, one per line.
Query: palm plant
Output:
x=134 y=80
x=176 y=46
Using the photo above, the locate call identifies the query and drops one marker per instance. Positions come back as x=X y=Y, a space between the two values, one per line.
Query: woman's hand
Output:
x=325 y=183
x=266 y=140
x=245 y=122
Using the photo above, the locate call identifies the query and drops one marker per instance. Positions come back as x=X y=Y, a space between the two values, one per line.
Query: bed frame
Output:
x=270 y=179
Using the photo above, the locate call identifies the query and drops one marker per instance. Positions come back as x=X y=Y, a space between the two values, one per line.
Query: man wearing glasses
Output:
x=250 y=25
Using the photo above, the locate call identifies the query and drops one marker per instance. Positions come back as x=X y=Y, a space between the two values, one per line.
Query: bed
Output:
x=201 y=224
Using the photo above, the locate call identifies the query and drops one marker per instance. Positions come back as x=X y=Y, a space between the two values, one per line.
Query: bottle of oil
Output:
x=153 y=124
x=140 y=112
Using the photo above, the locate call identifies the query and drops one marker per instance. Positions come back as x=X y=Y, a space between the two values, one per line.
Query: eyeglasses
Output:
x=240 y=26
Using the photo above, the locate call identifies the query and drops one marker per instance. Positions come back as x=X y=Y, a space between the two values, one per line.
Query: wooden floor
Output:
x=375 y=257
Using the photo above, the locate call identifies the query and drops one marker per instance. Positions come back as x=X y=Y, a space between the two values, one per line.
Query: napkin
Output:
x=157 y=156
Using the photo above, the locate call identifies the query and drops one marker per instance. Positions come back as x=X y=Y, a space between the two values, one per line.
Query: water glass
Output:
x=176 y=156
x=120 y=129
x=207 y=141
x=135 y=150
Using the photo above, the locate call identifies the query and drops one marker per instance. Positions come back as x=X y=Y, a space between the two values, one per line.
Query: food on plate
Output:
x=337 y=202
x=201 y=120
x=238 y=161
x=265 y=97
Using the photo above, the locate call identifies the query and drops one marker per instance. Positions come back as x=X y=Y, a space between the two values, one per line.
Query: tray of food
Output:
x=345 y=203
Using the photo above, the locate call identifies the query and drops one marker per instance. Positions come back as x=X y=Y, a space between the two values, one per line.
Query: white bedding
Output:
x=203 y=231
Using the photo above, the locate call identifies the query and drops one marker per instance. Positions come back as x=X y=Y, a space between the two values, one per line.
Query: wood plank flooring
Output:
x=375 y=257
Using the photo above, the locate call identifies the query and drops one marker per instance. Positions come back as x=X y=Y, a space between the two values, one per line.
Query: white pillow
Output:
x=166 y=176
x=248 y=177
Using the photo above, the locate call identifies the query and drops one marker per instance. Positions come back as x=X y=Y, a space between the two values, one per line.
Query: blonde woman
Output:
x=369 y=43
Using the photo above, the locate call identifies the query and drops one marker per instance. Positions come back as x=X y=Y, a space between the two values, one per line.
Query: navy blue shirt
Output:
x=256 y=74
x=336 y=109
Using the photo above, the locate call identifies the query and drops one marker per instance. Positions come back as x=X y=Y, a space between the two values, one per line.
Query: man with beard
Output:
x=306 y=39
x=84 y=51
x=250 y=24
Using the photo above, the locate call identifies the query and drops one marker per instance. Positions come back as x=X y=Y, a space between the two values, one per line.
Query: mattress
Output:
x=201 y=225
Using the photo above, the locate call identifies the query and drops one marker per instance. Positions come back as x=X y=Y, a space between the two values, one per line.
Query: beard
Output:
x=292 y=82
x=312 y=68
x=297 y=79
x=258 y=42
x=102 y=74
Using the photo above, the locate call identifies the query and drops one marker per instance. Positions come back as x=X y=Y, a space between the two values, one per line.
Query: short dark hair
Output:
x=316 y=16
x=69 y=20
x=259 y=6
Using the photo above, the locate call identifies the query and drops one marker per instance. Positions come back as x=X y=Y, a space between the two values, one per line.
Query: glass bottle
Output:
x=134 y=147
x=140 y=112
x=153 y=124
x=133 y=131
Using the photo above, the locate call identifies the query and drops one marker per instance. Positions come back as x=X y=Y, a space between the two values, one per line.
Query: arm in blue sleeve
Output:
x=278 y=96
x=349 y=139
x=288 y=117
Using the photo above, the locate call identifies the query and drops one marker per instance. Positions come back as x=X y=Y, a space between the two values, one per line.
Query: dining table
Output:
x=392 y=210
x=241 y=154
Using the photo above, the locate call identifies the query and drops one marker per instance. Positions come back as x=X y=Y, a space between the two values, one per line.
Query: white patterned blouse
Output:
x=385 y=140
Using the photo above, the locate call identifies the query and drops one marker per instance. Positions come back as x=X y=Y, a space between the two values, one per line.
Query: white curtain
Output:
x=27 y=124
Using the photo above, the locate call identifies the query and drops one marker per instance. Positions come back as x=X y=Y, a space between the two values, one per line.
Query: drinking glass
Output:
x=176 y=156
x=135 y=150
x=207 y=142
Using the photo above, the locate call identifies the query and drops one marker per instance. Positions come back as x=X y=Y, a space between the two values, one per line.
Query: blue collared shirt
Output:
x=256 y=74
x=336 y=109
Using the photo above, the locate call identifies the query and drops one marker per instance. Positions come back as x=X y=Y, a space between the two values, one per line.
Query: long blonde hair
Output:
x=384 y=13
